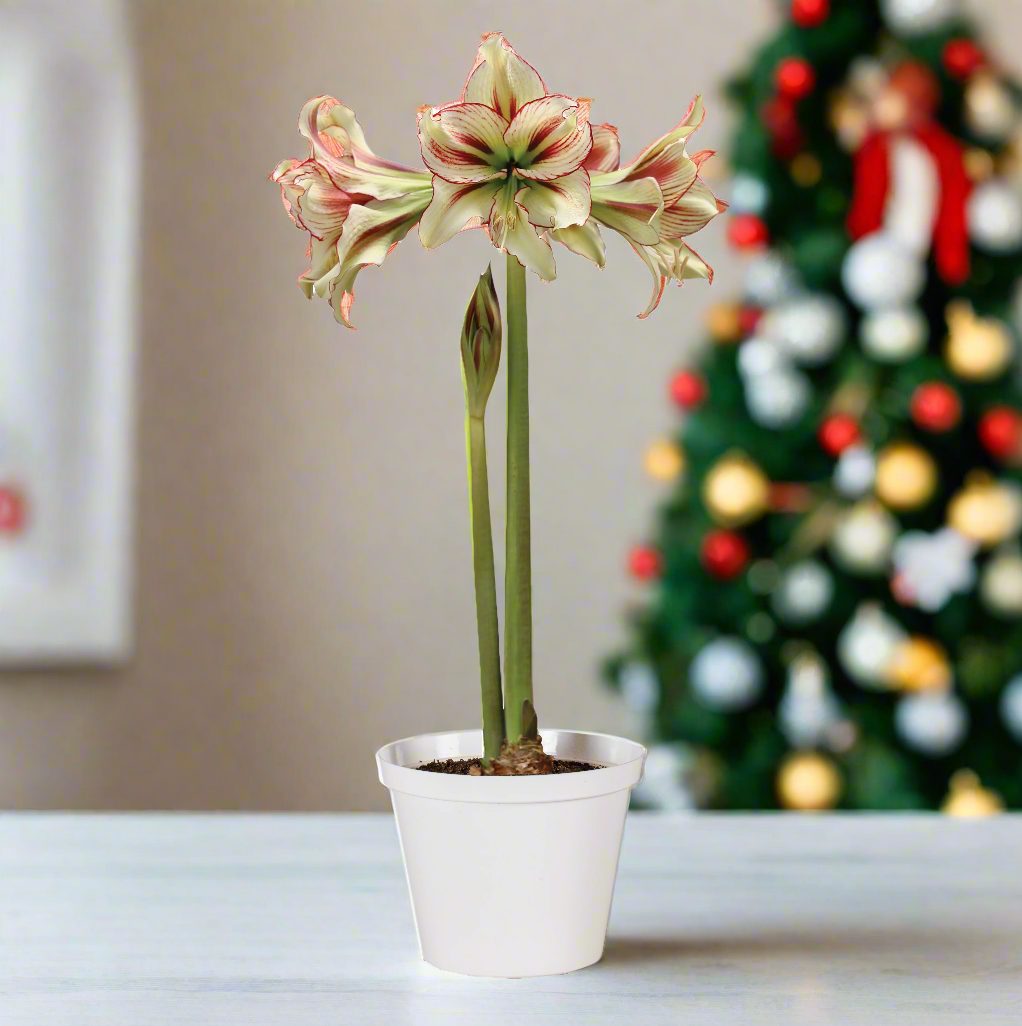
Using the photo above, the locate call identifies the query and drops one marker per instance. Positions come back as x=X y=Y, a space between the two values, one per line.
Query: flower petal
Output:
x=557 y=204
x=632 y=208
x=313 y=201
x=337 y=142
x=666 y=160
x=550 y=137
x=671 y=259
x=510 y=229
x=371 y=231
x=693 y=210
x=501 y=79
x=452 y=207
x=584 y=240
x=463 y=142
x=606 y=152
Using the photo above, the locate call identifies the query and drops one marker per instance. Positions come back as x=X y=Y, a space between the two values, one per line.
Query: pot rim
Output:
x=624 y=760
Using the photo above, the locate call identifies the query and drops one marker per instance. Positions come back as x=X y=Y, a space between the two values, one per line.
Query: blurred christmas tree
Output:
x=835 y=606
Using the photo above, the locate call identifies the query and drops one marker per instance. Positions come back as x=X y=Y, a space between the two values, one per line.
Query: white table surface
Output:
x=132 y=920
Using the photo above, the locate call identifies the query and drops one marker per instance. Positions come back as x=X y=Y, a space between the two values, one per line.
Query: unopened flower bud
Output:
x=480 y=344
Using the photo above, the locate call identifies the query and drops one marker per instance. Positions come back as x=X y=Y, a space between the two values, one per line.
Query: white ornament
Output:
x=867 y=644
x=662 y=785
x=726 y=674
x=894 y=334
x=804 y=592
x=769 y=278
x=749 y=195
x=1000 y=586
x=854 y=471
x=930 y=568
x=1011 y=706
x=809 y=328
x=863 y=537
x=933 y=722
x=917 y=17
x=779 y=398
x=640 y=688
x=879 y=273
x=758 y=356
x=994 y=214
x=808 y=710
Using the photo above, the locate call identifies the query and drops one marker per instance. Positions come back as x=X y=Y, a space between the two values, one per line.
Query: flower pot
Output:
x=511 y=876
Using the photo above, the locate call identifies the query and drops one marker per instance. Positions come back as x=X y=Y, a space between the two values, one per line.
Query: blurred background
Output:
x=300 y=568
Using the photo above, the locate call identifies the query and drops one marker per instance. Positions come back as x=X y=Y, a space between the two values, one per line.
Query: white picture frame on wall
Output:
x=68 y=257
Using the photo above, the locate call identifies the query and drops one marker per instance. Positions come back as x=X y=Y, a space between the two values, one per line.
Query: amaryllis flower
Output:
x=509 y=157
x=355 y=206
x=655 y=202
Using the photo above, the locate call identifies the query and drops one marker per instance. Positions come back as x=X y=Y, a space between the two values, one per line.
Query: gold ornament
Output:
x=806 y=170
x=968 y=799
x=664 y=461
x=724 y=323
x=989 y=109
x=985 y=510
x=978 y=348
x=978 y=163
x=919 y=664
x=849 y=117
x=735 y=491
x=906 y=476
x=808 y=782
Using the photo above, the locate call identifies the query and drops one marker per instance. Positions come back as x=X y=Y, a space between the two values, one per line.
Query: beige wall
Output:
x=304 y=588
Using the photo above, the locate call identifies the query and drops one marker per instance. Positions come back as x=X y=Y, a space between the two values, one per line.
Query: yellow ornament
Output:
x=664 y=461
x=906 y=476
x=735 y=491
x=850 y=120
x=724 y=322
x=918 y=664
x=808 y=782
x=806 y=170
x=978 y=163
x=968 y=799
x=978 y=348
x=985 y=510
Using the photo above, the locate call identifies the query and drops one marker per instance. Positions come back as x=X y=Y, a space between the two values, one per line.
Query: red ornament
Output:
x=644 y=563
x=962 y=57
x=688 y=389
x=936 y=406
x=12 y=510
x=786 y=137
x=837 y=433
x=1000 y=431
x=724 y=554
x=809 y=13
x=748 y=318
x=746 y=231
x=794 y=78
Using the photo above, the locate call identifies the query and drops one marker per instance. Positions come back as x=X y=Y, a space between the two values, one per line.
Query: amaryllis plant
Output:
x=527 y=168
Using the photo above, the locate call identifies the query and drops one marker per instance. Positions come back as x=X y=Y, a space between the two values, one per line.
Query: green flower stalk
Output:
x=480 y=357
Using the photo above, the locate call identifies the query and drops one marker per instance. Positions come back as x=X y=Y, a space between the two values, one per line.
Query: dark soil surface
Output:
x=461 y=767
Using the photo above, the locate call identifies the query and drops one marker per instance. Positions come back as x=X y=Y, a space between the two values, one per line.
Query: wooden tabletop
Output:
x=152 y=919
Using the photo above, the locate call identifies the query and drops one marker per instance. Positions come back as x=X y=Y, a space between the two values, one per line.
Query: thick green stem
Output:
x=518 y=565
x=485 y=587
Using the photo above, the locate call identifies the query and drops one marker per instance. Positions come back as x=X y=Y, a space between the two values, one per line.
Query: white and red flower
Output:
x=509 y=157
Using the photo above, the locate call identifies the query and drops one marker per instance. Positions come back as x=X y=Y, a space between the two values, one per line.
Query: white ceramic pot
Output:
x=511 y=876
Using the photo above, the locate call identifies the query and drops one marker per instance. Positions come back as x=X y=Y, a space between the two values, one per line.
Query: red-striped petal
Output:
x=501 y=79
x=463 y=142
x=549 y=137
